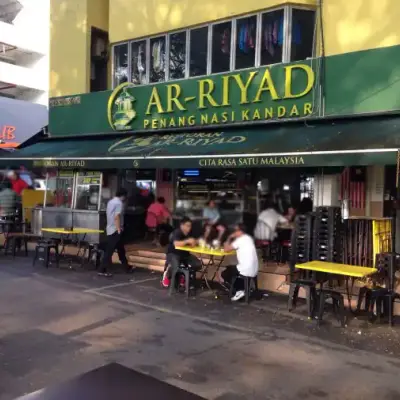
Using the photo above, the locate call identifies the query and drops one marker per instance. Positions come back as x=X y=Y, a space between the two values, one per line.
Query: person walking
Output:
x=115 y=226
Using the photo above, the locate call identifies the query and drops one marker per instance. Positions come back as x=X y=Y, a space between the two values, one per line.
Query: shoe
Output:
x=105 y=274
x=239 y=295
x=165 y=281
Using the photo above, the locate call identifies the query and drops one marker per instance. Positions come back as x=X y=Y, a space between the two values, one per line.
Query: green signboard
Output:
x=277 y=92
x=353 y=83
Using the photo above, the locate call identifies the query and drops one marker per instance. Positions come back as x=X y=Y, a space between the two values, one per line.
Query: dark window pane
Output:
x=120 y=64
x=198 y=51
x=303 y=27
x=157 y=59
x=221 y=47
x=177 y=55
x=138 y=52
x=272 y=33
x=246 y=42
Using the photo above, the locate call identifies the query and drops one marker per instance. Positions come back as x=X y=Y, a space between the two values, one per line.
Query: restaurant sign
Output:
x=239 y=97
x=263 y=94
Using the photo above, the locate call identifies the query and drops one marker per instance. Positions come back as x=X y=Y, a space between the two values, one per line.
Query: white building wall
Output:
x=24 y=52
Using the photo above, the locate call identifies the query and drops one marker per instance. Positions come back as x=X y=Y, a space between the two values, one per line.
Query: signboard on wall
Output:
x=269 y=93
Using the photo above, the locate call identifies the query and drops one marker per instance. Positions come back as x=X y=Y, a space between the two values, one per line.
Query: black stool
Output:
x=94 y=253
x=337 y=303
x=311 y=295
x=189 y=275
x=265 y=247
x=250 y=284
x=13 y=241
x=45 y=247
x=376 y=296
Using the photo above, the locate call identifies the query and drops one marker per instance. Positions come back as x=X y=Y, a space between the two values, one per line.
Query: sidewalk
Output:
x=56 y=324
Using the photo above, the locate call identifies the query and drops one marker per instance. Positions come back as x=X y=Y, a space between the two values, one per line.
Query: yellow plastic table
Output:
x=337 y=269
x=74 y=231
x=209 y=252
x=66 y=233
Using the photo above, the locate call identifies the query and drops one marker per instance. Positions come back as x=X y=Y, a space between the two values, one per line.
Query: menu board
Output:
x=89 y=178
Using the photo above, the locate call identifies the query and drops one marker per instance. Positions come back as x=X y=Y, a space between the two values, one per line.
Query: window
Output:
x=285 y=34
x=120 y=64
x=272 y=35
x=198 y=51
x=177 y=55
x=88 y=191
x=246 y=34
x=303 y=27
x=157 y=59
x=221 y=47
x=138 y=60
x=61 y=185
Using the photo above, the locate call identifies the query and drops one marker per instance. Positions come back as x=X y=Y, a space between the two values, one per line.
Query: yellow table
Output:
x=65 y=233
x=209 y=252
x=337 y=269
x=74 y=231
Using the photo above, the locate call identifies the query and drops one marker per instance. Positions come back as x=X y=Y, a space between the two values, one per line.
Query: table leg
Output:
x=208 y=282
x=204 y=269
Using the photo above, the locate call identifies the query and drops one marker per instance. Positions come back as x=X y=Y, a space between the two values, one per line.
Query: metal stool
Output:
x=250 y=285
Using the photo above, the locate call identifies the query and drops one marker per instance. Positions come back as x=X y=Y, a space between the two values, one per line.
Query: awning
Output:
x=19 y=121
x=367 y=141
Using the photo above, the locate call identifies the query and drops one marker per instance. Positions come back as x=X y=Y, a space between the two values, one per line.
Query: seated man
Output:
x=180 y=237
x=157 y=218
x=212 y=218
x=246 y=254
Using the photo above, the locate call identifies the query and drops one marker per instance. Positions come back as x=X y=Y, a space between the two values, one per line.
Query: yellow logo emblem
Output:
x=120 y=110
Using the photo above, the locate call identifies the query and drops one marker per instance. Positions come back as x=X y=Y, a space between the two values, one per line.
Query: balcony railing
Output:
x=22 y=76
x=9 y=9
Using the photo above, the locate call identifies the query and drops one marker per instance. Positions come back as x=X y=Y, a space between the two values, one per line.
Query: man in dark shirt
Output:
x=180 y=237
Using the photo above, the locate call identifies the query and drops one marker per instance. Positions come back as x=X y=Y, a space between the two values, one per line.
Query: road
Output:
x=57 y=324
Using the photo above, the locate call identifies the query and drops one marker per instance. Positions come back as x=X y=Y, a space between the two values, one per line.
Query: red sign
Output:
x=7 y=133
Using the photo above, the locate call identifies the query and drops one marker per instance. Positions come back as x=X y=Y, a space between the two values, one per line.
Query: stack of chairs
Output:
x=328 y=235
x=301 y=253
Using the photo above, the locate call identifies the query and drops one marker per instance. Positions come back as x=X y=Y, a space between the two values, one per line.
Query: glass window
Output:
x=88 y=191
x=138 y=51
x=221 y=47
x=198 y=51
x=157 y=59
x=177 y=55
x=120 y=64
x=246 y=42
x=61 y=187
x=272 y=33
x=303 y=27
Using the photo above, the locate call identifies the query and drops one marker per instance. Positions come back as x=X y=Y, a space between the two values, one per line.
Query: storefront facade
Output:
x=233 y=85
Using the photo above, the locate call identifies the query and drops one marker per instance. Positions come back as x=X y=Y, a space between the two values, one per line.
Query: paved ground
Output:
x=57 y=324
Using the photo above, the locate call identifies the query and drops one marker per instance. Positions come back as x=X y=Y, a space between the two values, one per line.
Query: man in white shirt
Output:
x=115 y=226
x=246 y=254
x=267 y=222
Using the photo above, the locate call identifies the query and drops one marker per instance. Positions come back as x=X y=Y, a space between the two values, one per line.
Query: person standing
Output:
x=8 y=201
x=115 y=226
x=18 y=184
